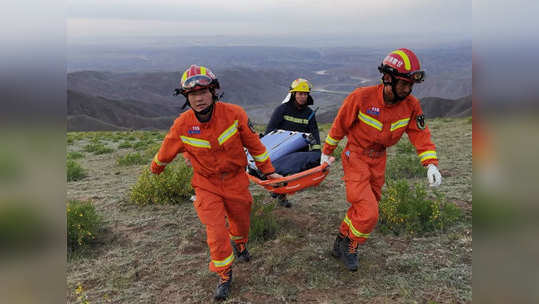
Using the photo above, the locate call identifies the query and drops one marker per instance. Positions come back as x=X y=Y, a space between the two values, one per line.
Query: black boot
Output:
x=337 y=246
x=348 y=253
x=223 y=289
x=283 y=201
x=241 y=252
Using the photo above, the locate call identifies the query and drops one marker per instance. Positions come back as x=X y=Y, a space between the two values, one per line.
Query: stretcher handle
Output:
x=279 y=181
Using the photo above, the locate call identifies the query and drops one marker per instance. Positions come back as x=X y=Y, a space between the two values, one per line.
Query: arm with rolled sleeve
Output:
x=253 y=144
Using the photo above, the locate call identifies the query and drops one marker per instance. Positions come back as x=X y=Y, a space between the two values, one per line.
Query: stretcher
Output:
x=278 y=144
x=292 y=183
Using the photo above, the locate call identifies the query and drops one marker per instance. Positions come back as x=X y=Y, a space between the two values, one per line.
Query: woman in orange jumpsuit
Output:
x=212 y=136
x=374 y=118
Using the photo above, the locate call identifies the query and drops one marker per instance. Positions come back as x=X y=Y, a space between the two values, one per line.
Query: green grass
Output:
x=408 y=210
x=264 y=225
x=125 y=145
x=163 y=241
x=74 y=171
x=404 y=163
x=74 y=155
x=131 y=159
x=83 y=224
x=97 y=148
x=173 y=186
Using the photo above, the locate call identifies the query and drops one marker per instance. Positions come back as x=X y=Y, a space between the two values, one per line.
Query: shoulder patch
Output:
x=420 y=120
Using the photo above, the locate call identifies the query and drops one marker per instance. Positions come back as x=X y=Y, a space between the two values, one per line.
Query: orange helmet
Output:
x=197 y=78
x=403 y=64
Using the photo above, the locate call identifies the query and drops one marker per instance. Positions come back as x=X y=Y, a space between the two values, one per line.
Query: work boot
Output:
x=337 y=246
x=349 y=253
x=223 y=289
x=241 y=252
x=283 y=201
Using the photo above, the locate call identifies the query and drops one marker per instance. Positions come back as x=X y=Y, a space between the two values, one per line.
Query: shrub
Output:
x=170 y=187
x=407 y=210
x=74 y=171
x=264 y=226
x=97 y=148
x=83 y=224
x=124 y=145
x=74 y=155
x=131 y=159
x=70 y=140
x=151 y=150
x=404 y=166
x=141 y=145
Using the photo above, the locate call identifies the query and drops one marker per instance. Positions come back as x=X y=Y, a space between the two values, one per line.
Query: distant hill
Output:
x=433 y=107
x=90 y=113
x=439 y=107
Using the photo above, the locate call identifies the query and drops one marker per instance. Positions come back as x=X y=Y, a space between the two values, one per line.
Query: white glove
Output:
x=434 y=176
x=324 y=158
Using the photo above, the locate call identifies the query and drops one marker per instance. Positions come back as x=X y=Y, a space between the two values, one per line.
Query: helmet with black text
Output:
x=197 y=78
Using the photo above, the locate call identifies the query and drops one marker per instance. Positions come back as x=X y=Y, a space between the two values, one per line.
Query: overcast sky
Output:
x=108 y=18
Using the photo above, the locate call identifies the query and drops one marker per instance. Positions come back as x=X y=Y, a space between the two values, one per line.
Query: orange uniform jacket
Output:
x=369 y=123
x=214 y=147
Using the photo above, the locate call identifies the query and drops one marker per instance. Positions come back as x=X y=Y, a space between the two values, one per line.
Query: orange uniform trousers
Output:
x=220 y=198
x=364 y=177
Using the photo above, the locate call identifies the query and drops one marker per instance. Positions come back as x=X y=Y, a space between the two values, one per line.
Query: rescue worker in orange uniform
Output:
x=212 y=136
x=374 y=118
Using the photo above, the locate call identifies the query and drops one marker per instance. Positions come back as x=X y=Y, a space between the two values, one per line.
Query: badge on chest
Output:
x=194 y=130
x=373 y=111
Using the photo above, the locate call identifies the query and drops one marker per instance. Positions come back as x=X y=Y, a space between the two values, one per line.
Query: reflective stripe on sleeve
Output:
x=261 y=157
x=430 y=154
x=331 y=141
x=156 y=160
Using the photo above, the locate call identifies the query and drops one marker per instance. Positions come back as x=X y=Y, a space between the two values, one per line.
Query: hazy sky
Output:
x=107 y=18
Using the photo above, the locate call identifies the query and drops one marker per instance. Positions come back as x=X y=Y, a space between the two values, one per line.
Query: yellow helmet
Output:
x=300 y=85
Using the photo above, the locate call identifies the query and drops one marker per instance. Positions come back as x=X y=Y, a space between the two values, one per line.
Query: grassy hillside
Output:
x=158 y=253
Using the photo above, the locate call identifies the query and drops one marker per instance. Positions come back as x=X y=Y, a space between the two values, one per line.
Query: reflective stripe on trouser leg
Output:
x=238 y=201
x=211 y=212
x=363 y=185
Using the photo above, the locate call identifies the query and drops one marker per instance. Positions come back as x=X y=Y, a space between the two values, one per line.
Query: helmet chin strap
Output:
x=204 y=112
x=396 y=97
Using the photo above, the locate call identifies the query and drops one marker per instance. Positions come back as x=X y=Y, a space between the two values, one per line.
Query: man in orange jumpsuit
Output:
x=374 y=118
x=212 y=136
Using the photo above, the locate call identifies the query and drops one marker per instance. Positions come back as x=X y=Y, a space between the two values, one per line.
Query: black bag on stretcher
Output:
x=286 y=151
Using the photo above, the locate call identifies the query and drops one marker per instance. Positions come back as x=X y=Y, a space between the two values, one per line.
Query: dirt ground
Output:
x=158 y=253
